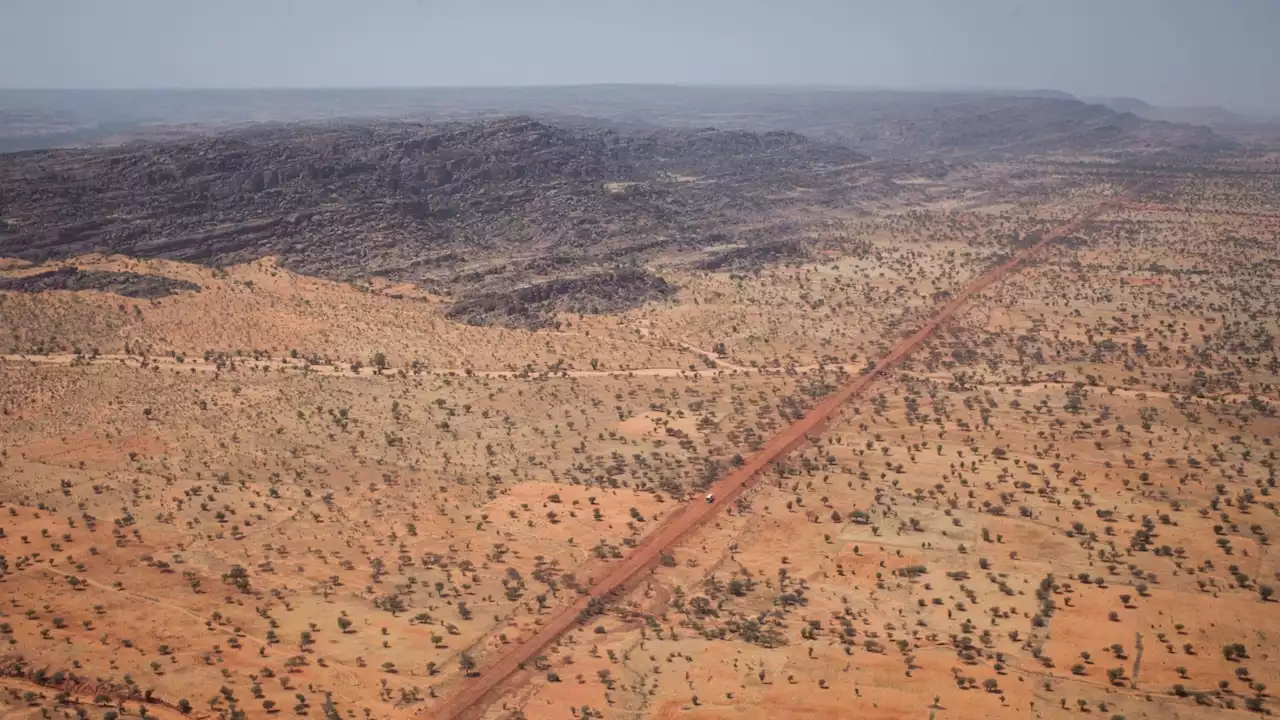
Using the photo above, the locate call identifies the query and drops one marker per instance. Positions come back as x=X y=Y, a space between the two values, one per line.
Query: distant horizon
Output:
x=1090 y=99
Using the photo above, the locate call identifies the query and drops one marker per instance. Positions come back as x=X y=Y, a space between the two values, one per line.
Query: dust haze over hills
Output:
x=883 y=123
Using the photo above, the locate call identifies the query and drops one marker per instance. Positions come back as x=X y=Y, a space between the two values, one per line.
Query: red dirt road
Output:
x=476 y=690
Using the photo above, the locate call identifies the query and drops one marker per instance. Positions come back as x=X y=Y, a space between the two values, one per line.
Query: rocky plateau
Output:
x=511 y=217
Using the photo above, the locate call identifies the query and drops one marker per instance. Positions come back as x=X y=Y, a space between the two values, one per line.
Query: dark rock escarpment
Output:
x=128 y=284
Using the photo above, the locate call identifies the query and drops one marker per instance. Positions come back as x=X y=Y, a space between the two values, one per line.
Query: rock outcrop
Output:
x=531 y=306
x=128 y=284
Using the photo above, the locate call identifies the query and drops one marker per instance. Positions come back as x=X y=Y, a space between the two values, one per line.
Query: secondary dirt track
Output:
x=620 y=576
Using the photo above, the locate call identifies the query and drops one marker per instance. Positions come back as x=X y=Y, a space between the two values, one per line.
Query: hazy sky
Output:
x=1165 y=51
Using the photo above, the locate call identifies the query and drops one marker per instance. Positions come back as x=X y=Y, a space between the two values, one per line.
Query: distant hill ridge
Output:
x=883 y=123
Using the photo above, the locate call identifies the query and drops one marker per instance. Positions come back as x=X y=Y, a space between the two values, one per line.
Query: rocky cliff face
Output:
x=540 y=213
